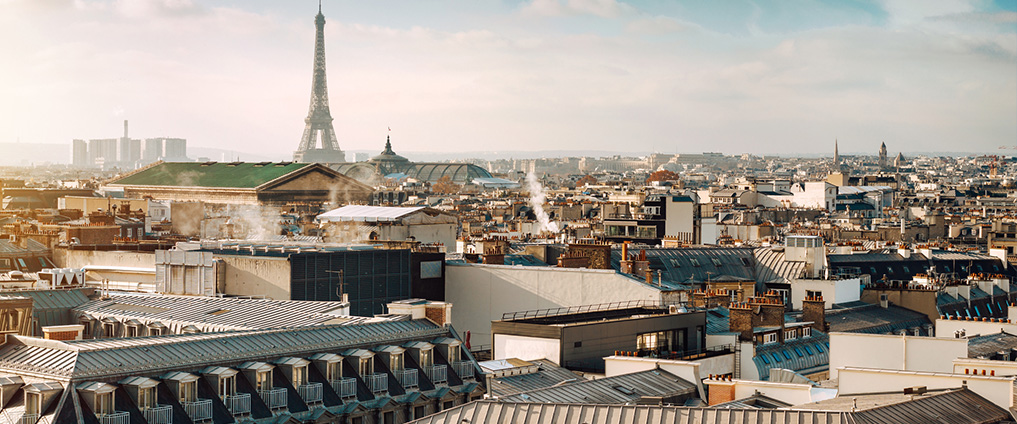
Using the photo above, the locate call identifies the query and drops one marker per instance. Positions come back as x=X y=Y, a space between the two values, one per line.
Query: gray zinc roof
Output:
x=617 y=389
x=116 y=358
x=547 y=375
x=492 y=412
x=216 y=314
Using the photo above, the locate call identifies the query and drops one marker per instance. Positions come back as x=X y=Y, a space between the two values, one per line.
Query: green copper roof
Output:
x=210 y=174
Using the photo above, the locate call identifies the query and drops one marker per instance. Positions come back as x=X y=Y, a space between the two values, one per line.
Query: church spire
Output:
x=836 y=153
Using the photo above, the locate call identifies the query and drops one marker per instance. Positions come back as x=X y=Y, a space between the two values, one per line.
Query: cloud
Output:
x=601 y=8
x=656 y=25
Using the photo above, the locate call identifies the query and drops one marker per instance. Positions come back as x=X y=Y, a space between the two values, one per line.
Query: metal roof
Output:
x=990 y=344
x=493 y=412
x=806 y=355
x=217 y=313
x=368 y=213
x=209 y=174
x=107 y=358
x=874 y=319
x=617 y=389
x=687 y=265
x=548 y=374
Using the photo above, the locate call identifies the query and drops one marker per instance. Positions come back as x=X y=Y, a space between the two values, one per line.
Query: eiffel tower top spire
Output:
x=318 y=124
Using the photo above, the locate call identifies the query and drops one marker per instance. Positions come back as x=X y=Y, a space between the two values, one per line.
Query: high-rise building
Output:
x=174 y=149
x=151 y=150
x=79 y=154
x=318 y=124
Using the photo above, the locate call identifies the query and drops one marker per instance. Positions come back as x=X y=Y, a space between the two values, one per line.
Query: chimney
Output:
x=740 y=320
x=649 y=276
x=721 y=389
x=494 y=255
x=771 y=309
x=626 y=261
x=125 y=128
x=884 y=300
x=640 y=265
x=814 y=310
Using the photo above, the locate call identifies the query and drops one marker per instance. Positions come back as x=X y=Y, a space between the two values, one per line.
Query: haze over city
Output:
x=738 y=77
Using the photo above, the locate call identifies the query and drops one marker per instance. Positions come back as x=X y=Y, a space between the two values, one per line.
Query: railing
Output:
x=685 y=355
x=159 y=414
x=538 y=313
x=377 y=382
x=274 y=398
x=407 y=378
x=238 y=404
x=464 y=369
x=200 y=410
x=345 y=387
x=310 y=393
x=116 y=417
x=29 y=419
x=438 y=374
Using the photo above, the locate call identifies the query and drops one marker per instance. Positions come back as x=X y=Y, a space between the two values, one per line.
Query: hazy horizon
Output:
x=455 y=76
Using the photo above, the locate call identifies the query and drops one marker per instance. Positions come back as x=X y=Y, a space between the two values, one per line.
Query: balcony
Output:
x=238 y=404
x=438 y=374
x=464 y=369
x=378 y=383
x=29 y=419
x=345 y=387
x=407 y=378
x=159 y=414
x=200 y=410
x=274 y=398
x=115 y=417
x=310 y=393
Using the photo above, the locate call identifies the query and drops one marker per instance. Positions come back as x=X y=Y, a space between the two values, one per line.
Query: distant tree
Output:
x=586 y=180
x=444 y=185
x=663 y=175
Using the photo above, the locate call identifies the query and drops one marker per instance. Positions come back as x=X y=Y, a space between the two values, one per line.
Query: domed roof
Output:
x=388 y=155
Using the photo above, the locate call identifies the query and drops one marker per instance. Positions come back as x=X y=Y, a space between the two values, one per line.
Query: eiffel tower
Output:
x=318 y=124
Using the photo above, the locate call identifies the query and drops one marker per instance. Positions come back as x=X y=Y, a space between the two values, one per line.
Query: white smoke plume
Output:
x=537 y=198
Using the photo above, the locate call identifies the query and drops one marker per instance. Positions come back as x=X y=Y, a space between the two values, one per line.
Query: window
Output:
x=104 y=403
x=819 y=347
x=109 y=329
x=806 y=331
x=264 y=380
x=577 y=344
x=776 y=357
x=716 y=262
x=873 y=270
x=770 y=338
x=946 y=268
x=746 y=262
x=448 y=404
x=790 y=334
x=453 y=354
x=695 y=262
x=418 y=412
x=906 y=269
x=396 y=362
x=227 y=386
x=132 y=331
x=299 y=376
x=808 y=350
x=334 y=369
x=786 y=355
x=24 y=266
x=366 y=367
x=189 y=391
x=675 y=263
x=765 y=359
x=146 y=398
x=33 y=403
x=799 y=352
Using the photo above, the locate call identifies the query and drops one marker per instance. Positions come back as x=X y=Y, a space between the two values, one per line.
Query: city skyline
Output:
x=752 y=77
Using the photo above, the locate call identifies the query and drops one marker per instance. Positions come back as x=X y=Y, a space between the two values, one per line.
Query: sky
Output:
x=734 y=76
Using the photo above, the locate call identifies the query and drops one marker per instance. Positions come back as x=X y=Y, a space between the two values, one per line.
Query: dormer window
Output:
x=396 y=361
x=227 y=386
x=188 y=391
x=333 y=371
x=264 y=380
x=366 y=366
x=33 y=403
x=299 y=376
x=104 y=404
x=146 y=398
x=806 y=331
x=770 y=338
x=426 y=358
x=790 y=334
x=453 y=354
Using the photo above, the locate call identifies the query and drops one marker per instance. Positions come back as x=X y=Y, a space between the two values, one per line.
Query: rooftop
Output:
x=209 y=174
